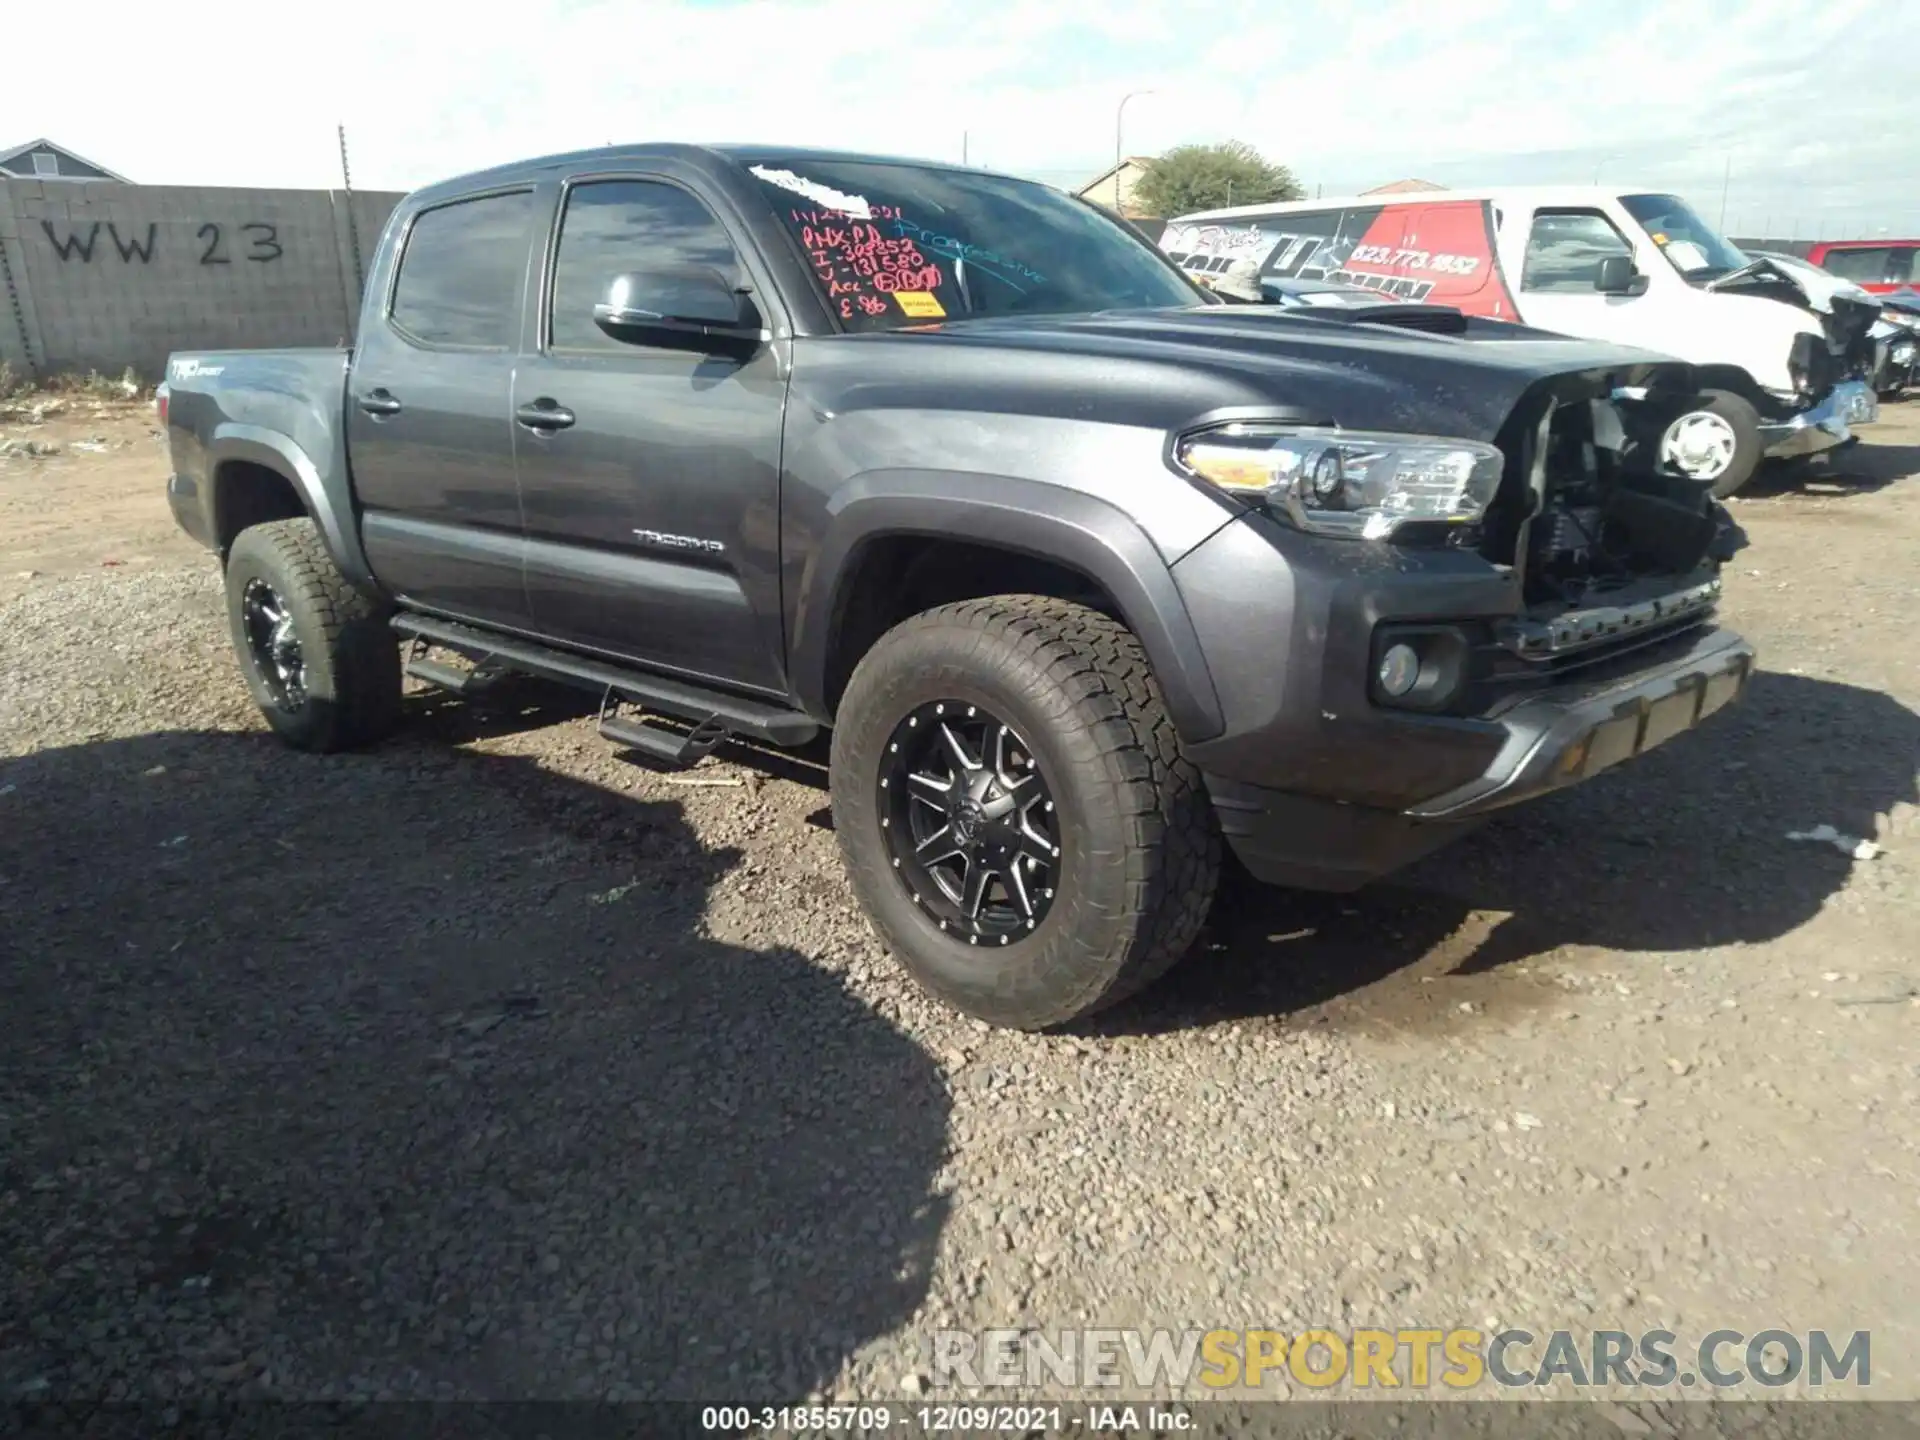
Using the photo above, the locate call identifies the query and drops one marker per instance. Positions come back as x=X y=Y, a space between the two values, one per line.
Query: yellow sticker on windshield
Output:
x=1659 y=237
x=918 y=303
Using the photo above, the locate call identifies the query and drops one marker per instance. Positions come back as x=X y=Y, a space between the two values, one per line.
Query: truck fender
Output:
x=1046 y=521
x=278 y=453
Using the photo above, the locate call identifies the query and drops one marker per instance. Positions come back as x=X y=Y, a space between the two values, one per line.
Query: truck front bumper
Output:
x=1572 y=734
x=1830 y=423
x=1551 y=740
x=1317 y=784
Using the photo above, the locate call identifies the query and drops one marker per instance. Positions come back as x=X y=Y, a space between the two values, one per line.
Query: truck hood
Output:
x=1846 y=311
x=1419 y=369
x=1818 y=290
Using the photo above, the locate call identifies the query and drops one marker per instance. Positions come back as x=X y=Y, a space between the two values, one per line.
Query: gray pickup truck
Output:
x=1087 y=573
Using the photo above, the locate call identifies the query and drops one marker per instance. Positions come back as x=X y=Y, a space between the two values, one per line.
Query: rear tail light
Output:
x=160 y=402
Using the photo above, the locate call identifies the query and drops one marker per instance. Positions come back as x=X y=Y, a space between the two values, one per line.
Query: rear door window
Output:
x=459 y=286
x=1565 y=248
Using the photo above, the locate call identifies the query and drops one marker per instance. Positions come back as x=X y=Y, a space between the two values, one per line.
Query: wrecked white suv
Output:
x=1784 y=349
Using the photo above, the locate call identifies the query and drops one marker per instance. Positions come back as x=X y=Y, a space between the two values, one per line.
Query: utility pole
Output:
x=353 y=230
x=1726 y=178
x=1119 y=118
x=964 y=137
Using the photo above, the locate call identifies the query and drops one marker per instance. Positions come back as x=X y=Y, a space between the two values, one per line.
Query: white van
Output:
x=1784 y=351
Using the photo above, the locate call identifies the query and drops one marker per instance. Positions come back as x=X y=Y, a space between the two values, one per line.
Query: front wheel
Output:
x=1717 y=442
x=1015 y=811
x=316 y=653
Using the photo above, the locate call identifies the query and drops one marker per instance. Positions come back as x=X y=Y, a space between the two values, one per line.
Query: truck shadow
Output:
x=411 y=1074
x=1681 y=850
x=512 y=706
x=519 y=703
x=1856 y=470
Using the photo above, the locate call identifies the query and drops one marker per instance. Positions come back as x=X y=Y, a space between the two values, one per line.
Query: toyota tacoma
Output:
x=1091 y=577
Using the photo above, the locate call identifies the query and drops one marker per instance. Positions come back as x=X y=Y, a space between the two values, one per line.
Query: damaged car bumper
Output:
x=1551 y=740
x=1570 y=735
x=1827 y=424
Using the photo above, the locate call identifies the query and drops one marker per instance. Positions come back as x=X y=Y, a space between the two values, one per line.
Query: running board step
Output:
x=669 y=747
x=450 y=678
x=482 y=674
x=683 y=699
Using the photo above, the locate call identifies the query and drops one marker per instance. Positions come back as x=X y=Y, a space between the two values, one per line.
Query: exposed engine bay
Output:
x=1604 y=541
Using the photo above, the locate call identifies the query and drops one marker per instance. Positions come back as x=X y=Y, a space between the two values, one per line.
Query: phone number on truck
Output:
x=1414 y=260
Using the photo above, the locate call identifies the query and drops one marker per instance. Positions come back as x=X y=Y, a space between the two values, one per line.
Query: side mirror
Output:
x=1615 y=275
x=685 y=306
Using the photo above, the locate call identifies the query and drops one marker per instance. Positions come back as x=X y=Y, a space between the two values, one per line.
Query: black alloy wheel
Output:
x=1016 y=814
x=273 y=645
x=969 y=822
x=317 y=654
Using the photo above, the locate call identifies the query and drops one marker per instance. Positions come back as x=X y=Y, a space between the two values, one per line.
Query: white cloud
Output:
x=1473 y=90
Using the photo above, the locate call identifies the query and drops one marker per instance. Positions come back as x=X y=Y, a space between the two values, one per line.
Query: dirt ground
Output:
x=487 y=1064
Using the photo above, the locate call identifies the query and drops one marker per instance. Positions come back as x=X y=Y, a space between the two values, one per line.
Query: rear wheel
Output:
x=316 y=653
x=1015 y=811
x=1717 y=442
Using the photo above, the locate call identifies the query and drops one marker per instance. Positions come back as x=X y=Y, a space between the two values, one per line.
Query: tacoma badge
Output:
x=680 y=542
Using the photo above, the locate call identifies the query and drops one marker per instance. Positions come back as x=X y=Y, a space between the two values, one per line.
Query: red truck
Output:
x=1881 y=266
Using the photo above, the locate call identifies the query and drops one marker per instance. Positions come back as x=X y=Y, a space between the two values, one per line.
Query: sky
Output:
x=1785 y=115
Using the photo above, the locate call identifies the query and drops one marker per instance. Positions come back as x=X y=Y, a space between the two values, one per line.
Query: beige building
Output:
x=1404 y=187
x=1113 y=187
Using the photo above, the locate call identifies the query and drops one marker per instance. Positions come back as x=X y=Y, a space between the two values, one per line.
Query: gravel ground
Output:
x=488 y=1065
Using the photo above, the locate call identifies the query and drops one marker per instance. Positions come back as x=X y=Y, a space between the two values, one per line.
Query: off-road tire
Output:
x=1141 y=848
x=352 y=660
x=1744 y=421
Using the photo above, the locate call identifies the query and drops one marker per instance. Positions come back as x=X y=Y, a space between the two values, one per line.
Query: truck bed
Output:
x=283 y=409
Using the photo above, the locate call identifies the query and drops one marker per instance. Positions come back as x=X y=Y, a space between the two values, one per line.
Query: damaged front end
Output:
x=1609 y=550
x=1831 y=372
x=1845 y=311
x=1896 y=340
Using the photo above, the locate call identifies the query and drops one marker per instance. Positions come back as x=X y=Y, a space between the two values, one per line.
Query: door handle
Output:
x=544 y=415
x=379 y=402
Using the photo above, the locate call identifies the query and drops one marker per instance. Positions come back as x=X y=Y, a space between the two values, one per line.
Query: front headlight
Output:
x=1906 y=319
x=1361 y=484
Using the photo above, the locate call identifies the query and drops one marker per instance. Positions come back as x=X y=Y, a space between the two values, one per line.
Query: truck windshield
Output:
x=1692 y=246
x=897 y=245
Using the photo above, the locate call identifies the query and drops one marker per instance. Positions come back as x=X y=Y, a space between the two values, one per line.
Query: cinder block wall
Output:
x=104 y=276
